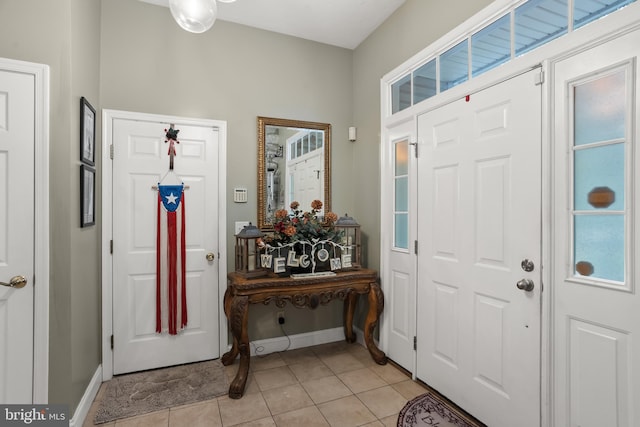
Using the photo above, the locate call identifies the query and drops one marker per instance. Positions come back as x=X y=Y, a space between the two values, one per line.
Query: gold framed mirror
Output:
x=294 y=164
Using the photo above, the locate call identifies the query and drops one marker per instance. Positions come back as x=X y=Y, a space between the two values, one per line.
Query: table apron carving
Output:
x=301 y=293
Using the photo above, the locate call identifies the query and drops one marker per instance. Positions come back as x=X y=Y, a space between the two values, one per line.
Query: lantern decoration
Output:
x=351 y=239
x=248 y=252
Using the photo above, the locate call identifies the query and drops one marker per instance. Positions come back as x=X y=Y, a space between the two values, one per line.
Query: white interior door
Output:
x=596 y=357
x=306 y=177
x=140 y=161
x=479 y=218
x=399 y=281
x=17 y=112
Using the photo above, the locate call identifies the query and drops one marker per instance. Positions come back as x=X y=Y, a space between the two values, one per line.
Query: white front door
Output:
x=140 y=161
x=17 y=112
x=479 y=218
x=596 y=317
x=399 y=279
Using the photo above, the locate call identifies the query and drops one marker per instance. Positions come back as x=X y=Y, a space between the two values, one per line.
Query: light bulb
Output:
x=195 y=16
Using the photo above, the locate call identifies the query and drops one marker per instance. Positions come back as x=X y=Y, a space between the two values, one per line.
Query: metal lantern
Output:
x=351 y=239
x=248 y=253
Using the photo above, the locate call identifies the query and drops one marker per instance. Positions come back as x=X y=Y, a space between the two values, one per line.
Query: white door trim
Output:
x=108 y=116
x=41 y=225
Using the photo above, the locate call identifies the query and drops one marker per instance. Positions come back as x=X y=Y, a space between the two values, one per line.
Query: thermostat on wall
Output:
x=240 y=195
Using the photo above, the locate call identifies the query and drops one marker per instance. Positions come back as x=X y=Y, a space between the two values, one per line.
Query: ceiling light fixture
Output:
x=195 y=16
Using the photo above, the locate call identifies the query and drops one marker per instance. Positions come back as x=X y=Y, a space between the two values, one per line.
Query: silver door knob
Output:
x=210 y=256
x=525 y=285
x=16 y=282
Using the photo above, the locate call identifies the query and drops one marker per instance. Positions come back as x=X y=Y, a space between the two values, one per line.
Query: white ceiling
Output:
x=343 y=23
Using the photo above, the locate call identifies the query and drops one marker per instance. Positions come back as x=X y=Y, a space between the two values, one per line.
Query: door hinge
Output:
x=539 y=78
x=111 y=151
x=415 y=145
x=415 y=247
x=415 y=342
x=111 y=246
x=111 y=342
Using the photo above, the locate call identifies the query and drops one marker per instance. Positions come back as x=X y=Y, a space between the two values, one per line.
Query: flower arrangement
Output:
x=298 y=225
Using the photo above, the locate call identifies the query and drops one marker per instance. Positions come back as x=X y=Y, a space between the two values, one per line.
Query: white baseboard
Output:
x=87 y=399
x=308 y=339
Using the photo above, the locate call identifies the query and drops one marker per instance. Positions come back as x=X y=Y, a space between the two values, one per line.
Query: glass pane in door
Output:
x=491 y=46
x=401 y=195
x=599 y=178
x=424 y=82
x=401 y=94
x=600 y=109
x=537 y=22
x=599 y=246
x=454 y=66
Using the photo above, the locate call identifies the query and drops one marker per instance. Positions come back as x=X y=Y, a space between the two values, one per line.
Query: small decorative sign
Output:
x=304 y=254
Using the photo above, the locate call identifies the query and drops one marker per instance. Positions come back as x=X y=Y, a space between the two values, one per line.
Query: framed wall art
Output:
x=87 y=132
x=87 y=196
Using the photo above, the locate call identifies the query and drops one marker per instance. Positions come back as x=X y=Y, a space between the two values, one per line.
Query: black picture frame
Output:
x=87 y=132
x=87 y=196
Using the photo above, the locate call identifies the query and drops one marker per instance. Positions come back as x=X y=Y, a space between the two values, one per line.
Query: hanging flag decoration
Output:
x=171 y=276
x=171 y=297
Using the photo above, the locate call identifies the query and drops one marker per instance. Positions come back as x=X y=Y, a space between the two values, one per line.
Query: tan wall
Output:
x=86 y=290
x=64 y=34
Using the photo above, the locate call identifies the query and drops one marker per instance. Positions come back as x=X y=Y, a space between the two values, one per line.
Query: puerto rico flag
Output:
x=171 y=295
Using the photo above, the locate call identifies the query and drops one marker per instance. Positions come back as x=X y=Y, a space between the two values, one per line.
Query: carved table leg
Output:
x=230 y=356
x=376 y=304
x=238 y=316
x=349 y=308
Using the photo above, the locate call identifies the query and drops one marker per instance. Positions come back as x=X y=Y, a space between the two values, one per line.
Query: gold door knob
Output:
x=210 y=256
x=16 y=282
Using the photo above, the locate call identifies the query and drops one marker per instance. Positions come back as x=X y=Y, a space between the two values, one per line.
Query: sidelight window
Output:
x=401 y=195
x=601 y=176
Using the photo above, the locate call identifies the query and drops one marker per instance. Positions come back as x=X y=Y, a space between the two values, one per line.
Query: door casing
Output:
x=108 y=116
x=41 y=224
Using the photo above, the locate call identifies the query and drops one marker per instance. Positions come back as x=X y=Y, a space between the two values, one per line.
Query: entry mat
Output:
x=143 y=392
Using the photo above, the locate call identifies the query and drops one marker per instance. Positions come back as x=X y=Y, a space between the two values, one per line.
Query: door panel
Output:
x=308 y=175
x=400 y=274
x=479 y=217
x=140 y=162
x=596 y=303
x=17 y=138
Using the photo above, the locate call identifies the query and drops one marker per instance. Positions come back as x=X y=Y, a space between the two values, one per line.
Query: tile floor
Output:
x=336 y=384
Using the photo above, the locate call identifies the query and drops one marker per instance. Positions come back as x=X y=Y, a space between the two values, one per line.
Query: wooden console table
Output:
x=300 y=292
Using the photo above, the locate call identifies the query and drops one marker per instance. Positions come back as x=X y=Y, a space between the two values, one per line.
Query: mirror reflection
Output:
x=293 y=165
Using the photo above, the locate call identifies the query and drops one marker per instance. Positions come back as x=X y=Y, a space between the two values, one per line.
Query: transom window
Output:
x=524 y=28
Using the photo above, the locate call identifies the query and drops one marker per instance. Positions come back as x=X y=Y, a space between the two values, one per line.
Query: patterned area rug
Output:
x=143 y=392
x=430 y=409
